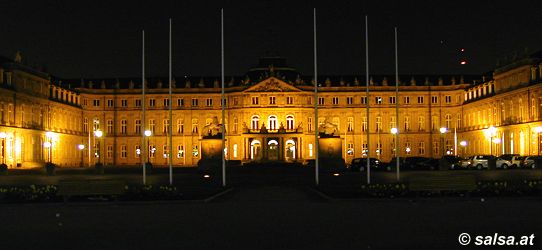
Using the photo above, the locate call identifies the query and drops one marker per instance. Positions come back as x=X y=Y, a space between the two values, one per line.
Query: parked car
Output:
x=480 y=162
x=465 y=163
x=450 y=162
x=360 y=164
x=502 y=163
x=412 y=163
x=430 y=164
x=508 y=156
x=531 y=162
x=517 y=161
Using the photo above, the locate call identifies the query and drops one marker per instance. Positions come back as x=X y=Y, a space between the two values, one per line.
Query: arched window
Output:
x=448 y=119
x=290 y=122
x=272 y=122
x=255 y=122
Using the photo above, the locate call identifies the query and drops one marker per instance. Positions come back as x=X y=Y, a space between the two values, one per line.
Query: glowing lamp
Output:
x=98 y=133
x=443 y=130
x=394 y=130
x=463 y=143
x=148 y=133
x=81 y=146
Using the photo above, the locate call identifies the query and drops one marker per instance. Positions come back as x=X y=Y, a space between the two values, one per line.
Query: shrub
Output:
x=29 y=193
x=150 y=192
x=384 y=190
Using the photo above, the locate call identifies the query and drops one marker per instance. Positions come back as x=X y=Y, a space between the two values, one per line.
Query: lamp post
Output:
x=538 y=130
x=81 y=147
x=49 y=144
x=443 y=131
x=463 y=145
x=395 y=132
x=99 y=134
x=148 y=133
x=492 y=131
x=3 y=136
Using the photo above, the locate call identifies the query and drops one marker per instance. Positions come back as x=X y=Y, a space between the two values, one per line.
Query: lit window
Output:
x=378 y=100
x=272 y=122
x=254 y=124
x=272 y=100
x=290 y=122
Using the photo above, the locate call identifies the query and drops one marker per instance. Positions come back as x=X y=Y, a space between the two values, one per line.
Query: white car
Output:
x=530 y=162
x=502 y=163
x=480 y=162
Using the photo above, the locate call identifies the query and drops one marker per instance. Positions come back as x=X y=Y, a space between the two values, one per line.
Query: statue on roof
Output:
x=327 y=128
x=18 y=57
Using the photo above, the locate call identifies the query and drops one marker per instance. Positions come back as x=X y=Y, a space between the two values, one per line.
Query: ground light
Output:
x=336 y=174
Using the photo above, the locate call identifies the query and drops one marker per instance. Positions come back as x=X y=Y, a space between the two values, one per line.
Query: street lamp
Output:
x=81 y=147
x=49 y=144
x=492 y=132
x=443 y=131
x=463 y=144
x=3 y=136
x=538 y=130
x=99 y=134
x=147 y=133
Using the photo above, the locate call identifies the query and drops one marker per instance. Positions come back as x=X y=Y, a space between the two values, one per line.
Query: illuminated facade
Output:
x=269 y=115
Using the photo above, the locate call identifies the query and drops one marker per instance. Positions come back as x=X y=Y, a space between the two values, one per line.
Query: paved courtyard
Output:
x=265 y=211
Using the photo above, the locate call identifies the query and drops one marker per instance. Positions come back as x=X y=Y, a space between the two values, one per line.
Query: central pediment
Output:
x=272 y=84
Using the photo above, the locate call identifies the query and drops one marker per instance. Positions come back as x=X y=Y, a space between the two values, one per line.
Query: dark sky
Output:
x=103 y=38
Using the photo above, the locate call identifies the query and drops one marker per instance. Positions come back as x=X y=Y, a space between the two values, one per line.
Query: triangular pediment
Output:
x=272 y=84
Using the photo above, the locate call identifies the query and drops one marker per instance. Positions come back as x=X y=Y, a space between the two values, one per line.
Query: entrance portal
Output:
x=290 y=150
x=273 y=150
x=255 y=150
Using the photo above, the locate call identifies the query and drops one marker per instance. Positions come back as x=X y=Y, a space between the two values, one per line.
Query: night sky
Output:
x=103 y=38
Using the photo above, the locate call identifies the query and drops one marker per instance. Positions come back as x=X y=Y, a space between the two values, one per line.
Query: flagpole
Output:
x=367 y=94
x=397 y=107
x=170 y=124
x=317 y=146
x=222 y=100
x=142 y=148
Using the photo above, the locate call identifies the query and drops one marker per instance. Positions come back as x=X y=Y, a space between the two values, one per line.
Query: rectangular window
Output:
x=180 y=102
x=321 y=101
x=378 y=100
x=152 y=102
x=180 y=126
x=364 y=100
x=152 y=125
x=124 y=103
x=109 y=102
x=234 y=150
x=406 y=99
x=255 y=100
x=85 y=124
x=309 y=122
x=421 y=123
x=289 y=100
x=123 y=153
x=364 y=123
x=434 y=99
x=350 y=149
x=350 y=122
x=272 y=100
x=420 y=99
x=180 y=151
x=421 y=148
x=378 y=148
x=195 y=151
x=194 y=102
x=123 y=124
x=310 y=151
x=138 y=102
x=408 y=148
x=96 y=103
x=137 y=151
x=364 y=149
x=165 y=126
x=209 y=102
x=165 y=152
x=378 y=123
x=109 y=151
x=349 y=100
x=194 y=126
x=393 y=124
x=392 y=99
x=166 y=102
x=448 y=99
x=335 y=100
x=407 y=123
x=235 y=101
x=110 y=127
x=152 y=151
x=137 y=126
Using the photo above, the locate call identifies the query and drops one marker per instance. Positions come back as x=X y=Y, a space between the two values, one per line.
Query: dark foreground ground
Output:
x=267 y=209
x=267 y=217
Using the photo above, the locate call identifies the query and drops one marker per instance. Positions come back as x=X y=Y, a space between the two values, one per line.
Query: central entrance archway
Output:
x=273 y=150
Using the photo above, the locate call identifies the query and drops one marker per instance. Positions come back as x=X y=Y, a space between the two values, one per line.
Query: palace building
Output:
x=269 y=115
